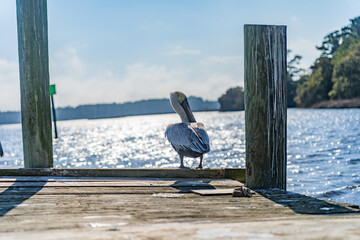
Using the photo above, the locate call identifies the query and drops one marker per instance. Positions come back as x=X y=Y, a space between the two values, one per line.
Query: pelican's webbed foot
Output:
x=182 y=163
x=200 y=164
x=183 y=167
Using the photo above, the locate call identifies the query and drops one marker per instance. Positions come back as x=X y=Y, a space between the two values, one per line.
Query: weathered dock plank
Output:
x=114 y=182
x=215 y=173
x=120 y=208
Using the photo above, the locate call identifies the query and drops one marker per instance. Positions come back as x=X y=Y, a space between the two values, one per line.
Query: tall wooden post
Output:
x=34 y=83
x=265 y=106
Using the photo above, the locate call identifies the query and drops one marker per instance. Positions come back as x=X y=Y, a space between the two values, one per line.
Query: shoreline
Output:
x=330 y=104
x=344 y=103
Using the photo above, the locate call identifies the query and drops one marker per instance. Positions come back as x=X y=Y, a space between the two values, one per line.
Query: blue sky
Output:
x=116 y=51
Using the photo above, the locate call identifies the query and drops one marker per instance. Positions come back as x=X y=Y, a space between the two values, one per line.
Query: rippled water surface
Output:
x=323 y=147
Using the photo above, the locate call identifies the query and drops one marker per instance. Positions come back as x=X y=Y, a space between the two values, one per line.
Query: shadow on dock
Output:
x=187 y=186
x=303 y=204
x=16 y=194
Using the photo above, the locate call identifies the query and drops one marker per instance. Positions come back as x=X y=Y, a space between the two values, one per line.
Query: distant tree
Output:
x=352 y=30
x=333 y=40
x=293 y=69
x=346 y=74
x=325 y=65
x=232 y=100
x=315 y=87
x=293 y=73
x=330 y=43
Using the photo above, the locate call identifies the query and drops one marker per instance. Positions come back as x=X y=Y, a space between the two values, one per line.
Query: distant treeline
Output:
x=10 y=117
x=334 y=76
x=144 y=107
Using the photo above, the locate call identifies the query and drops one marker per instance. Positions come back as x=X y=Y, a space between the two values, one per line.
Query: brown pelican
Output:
x=1 y=151
x=188 y=138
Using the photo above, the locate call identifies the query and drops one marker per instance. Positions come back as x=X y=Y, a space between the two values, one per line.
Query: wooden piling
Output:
x=34 y=83
x=265 y=106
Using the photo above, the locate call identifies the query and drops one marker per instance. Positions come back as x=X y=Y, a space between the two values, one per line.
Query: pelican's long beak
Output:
x=1 y=151
x=185 y=105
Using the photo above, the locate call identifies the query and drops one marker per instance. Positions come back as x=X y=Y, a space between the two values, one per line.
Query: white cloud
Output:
x=212 y=85
x=67 y=62
x=7 y=10
x=222 y=59
x=305 y=48
x=294 y=19
x=178 y=50
x=144 y=82
x=151 y=81
x=223 y=72
x=78 y=82
x=9 y=85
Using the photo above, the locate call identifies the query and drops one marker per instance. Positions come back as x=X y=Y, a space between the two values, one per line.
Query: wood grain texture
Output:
x=265 y=106
x=34 y=82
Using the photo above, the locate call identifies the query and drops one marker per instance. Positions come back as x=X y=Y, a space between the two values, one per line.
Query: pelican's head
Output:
x=181 y=105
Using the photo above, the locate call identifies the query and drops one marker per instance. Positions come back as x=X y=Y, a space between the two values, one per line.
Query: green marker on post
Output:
x=52 y=92
x=52 y=89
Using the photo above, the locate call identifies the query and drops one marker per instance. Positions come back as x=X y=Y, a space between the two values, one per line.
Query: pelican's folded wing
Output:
x=188 y=136
x=202 y=135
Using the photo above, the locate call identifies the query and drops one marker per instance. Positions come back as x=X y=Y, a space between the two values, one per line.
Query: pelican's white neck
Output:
x=178 y=108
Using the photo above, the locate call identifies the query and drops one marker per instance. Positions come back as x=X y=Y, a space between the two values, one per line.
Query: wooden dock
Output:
x=48 y=207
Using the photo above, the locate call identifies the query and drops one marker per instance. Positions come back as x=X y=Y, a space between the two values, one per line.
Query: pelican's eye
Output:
x=181 y=97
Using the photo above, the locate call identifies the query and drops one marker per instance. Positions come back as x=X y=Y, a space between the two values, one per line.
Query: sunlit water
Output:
x=323 y=147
